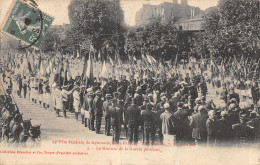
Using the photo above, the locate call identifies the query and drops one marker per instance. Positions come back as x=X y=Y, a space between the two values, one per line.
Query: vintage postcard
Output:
x=148 y=82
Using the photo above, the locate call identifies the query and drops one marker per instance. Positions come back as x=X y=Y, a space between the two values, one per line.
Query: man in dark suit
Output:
x=134 y=117
x=114 y=113
x=193 y=91
x=212 y=125
x=106 y=104
x=148 y=118
x=198 y=123
x=232 y=95
x=98 y=104
x=183 y=130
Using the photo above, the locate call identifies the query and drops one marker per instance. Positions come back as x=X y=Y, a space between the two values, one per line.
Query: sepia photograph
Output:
x=127 y=82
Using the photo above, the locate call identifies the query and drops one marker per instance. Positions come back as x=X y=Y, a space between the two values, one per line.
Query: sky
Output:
x=59 y=8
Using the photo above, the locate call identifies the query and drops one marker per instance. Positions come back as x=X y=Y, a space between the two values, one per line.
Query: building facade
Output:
x=166 y=12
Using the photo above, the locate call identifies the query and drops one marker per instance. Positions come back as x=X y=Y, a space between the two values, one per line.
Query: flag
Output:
x=154 y=60
x=89 y=73
x=134 y=59
x=39 y=63
x=111 y=61
x=29 y=66
x=77 y=53
x=99 y=57
x=149 y=59
x=85 y=68
x=104 y=70
x=119 y=61
x=175 y=63
x=43 y=67
x=104 y=74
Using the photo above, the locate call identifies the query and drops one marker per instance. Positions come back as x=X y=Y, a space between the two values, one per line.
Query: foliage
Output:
x=231 y=29
x=98 y=23
x=161 y=40
x=50 y=40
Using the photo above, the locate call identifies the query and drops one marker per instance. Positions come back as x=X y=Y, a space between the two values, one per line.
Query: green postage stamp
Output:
x=26 y=23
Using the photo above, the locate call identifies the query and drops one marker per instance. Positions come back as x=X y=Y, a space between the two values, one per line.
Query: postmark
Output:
x=26 y=23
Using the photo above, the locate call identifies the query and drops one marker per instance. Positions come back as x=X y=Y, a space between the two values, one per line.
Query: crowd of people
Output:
x=170 y=110
x=14 y=129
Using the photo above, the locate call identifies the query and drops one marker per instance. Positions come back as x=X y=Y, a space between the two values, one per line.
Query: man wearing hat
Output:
x=76 y=101
x=138 y=96
x=232 y=95
x=31 y=88
x=187 y=78
x=198 y=103
x=114 y=113
x=24 y=85
x=40 y=92
x=255 y=93
x=233 y=114
x=212 y=128
x=64 y=97
x=19 y=81
x=198 y=123
x=224 y=94
x=97 y=104
x=89 y=111
x=168 y=129
x=58 y=99
x=160 y=105
x=127 y=103
x=193 y=91
x=203 y=87
x=84 y=108
x=150 y=99
x=243 y=131
x=225 y=128
x=47 y=94
x=148 y=118
x=173 y=101
x=255 y=123
x=133 y=118
x=36 y=90
x=106 y=104
x=183 y=133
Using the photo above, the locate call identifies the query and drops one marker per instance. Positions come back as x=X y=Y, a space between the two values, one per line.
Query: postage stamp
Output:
x=26 y=23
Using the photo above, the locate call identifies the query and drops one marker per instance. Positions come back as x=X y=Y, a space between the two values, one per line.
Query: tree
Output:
x=96 y=23
x=161 y=40
x=50 y=41
x=231 y=29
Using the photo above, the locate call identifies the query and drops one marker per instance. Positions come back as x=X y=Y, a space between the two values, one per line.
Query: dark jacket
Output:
x=225 y=130
x=133 y=115
x=148 y=118
x=198 y=123
x=106 y=104
x=183 y=130
x=234 y=95
x=212 y=129
x=98 y=104
x=114 y=113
